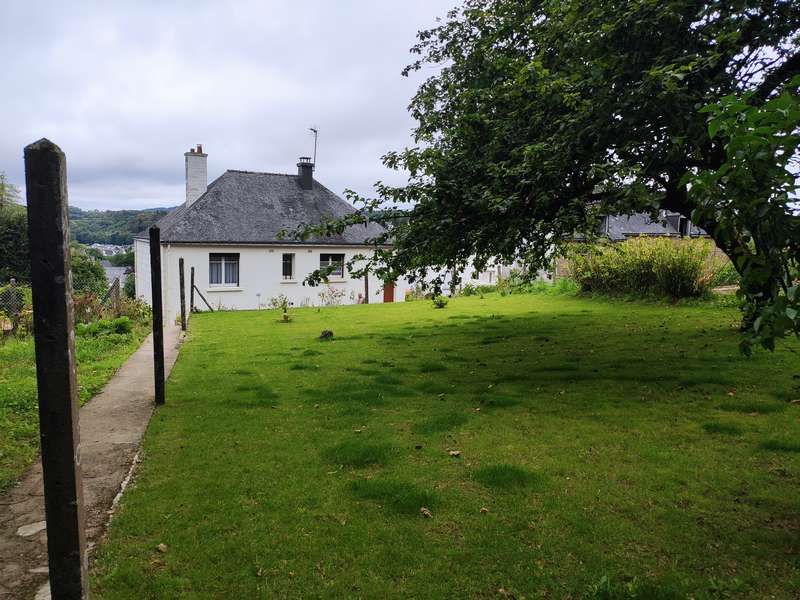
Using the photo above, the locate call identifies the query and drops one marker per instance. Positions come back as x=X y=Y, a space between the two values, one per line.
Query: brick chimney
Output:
x=305 y=173
x=196 y=174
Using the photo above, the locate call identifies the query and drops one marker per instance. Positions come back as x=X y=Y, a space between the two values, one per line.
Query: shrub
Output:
x=724 y=274
x=417 y=293
x=88 y=307
x=120 y=326
x=470 y=289
x=280 y=302
x=647 y=266
x=331 y=296
x=440 y=301
x=475 y=289
x=87 y=273
x=129 y=287
x=135 y=309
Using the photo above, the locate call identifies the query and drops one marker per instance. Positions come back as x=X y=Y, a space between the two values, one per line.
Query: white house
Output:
x=228 y=232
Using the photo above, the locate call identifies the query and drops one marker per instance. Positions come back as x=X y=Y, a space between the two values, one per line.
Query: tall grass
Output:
x=646 y=266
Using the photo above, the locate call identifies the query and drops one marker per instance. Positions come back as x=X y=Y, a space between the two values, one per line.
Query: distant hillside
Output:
x=111 y=226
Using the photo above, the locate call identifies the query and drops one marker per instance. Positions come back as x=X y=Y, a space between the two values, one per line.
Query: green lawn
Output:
x=98 y=359
x=603 y=447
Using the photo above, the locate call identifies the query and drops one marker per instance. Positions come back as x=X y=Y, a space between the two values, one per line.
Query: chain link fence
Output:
x=15 y=308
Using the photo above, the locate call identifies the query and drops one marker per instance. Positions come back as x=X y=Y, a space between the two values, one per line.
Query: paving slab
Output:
x=111 y=428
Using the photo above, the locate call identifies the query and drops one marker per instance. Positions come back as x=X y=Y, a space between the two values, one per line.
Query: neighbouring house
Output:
x=618 y=228
x=229 y=232
x=113 y=273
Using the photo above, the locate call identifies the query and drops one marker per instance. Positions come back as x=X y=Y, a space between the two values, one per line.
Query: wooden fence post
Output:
x=56 y=380
x=158 y=313
x=115 y=299
x=183 y=294
x=191 y=290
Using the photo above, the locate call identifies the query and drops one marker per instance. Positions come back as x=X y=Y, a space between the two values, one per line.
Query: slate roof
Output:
x=246 y=207
x=621 y=227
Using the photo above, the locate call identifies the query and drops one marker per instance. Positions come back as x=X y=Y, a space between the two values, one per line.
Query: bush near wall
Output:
x=643 y=266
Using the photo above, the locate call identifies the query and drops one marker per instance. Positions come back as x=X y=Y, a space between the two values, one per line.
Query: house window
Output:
x=223 y=269
x=332 y=260
x=288 y=266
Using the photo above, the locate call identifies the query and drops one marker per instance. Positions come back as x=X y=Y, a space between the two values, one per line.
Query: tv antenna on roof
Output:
x=316 y=133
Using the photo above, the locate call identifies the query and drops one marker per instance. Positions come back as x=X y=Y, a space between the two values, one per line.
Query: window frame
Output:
x=224 y=259
x=291 y=257
x=339 y=273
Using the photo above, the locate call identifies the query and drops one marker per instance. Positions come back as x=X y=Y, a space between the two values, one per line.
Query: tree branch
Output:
x=776 y=78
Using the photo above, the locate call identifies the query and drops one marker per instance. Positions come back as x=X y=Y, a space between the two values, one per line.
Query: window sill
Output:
x=337 y=281
x=284 y=281
x=223 y=288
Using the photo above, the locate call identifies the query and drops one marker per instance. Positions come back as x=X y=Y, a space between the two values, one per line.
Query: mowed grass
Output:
x=98 y=359
x=560 y=447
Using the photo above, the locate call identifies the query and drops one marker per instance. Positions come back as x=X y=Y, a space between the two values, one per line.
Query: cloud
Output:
x=126 y=89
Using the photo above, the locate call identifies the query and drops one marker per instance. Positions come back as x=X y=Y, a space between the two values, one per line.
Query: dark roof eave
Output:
x=271 y=243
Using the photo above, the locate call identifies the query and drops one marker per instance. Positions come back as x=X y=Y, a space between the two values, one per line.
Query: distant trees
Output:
x=14 y=261
x=124 y=259
x=14 y=254
x=9 y=193
x=110 y=226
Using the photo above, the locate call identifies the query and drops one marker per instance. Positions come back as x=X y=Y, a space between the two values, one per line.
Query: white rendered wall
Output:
x=141 y=265
x=260 y=277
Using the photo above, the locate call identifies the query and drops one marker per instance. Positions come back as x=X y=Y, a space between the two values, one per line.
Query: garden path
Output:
x=111 y=427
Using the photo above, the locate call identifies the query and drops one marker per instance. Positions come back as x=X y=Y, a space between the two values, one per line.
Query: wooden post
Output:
x=203 y=298
x=158 y=313
x=183 y=294
x=191 y=290
x=115 y=298
x=56 y=380
x=366 y=287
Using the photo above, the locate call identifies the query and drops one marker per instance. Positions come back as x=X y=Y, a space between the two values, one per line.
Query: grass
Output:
x=98 y=359
x=570 y=448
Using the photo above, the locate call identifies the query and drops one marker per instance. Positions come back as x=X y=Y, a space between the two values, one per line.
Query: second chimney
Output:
x=305 y=173
x=196 y=174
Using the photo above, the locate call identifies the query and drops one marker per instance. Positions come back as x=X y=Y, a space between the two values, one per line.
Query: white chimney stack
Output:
x=196 y=174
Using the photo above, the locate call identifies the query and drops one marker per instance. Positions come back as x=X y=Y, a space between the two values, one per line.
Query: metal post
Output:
x=48 y=236
x=183 y=294
x=191 y=290
x=366 y=287
x=158 y=313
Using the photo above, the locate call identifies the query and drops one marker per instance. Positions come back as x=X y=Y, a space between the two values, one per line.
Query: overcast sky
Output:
x=126 y=88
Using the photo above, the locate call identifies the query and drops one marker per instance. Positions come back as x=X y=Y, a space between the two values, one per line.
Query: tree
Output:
x=544 y=115
x=14 y=252
x=87 y=273
x=9 y=193
x=123 y=259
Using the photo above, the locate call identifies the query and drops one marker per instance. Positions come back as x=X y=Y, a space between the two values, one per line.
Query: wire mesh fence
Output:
x=16 y=306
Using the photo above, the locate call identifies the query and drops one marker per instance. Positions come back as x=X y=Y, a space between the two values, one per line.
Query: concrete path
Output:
x=112 y=426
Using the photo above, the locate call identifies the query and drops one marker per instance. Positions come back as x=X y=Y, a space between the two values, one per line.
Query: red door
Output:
x=388 y=292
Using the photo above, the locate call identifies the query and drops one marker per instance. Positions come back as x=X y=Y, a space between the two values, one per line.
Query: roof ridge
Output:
x=259 y=172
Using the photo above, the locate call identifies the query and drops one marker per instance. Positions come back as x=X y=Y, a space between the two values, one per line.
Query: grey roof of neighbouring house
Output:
x=620 y=227
x=245 y=207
